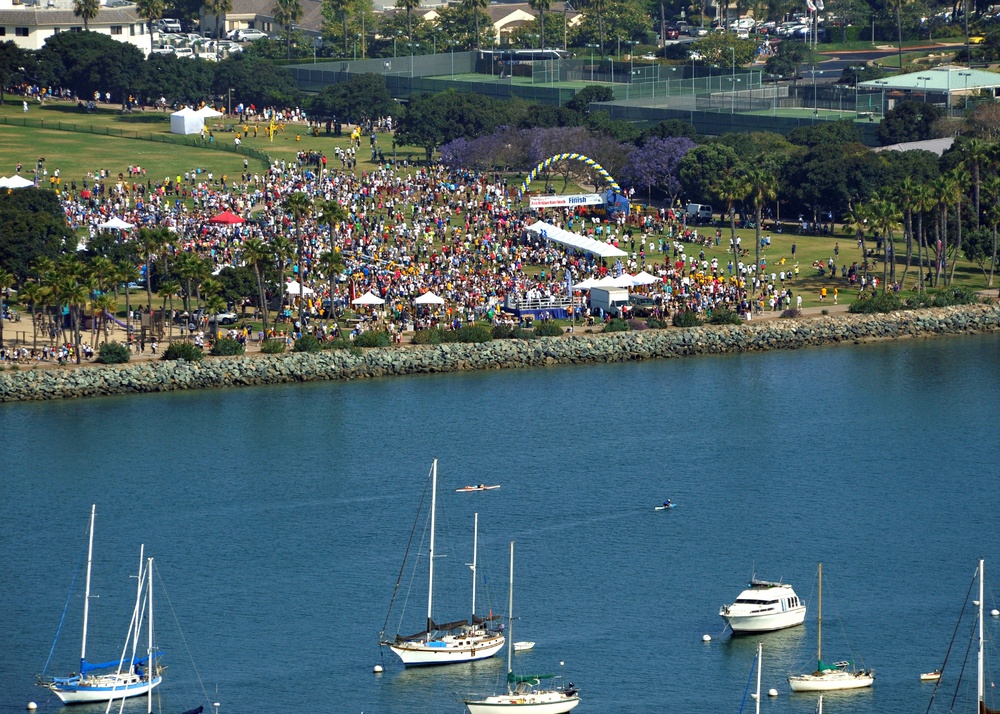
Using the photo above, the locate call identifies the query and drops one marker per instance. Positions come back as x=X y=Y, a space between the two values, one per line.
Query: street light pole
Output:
x=966 y=75
x=925 y=87
x=733 y=95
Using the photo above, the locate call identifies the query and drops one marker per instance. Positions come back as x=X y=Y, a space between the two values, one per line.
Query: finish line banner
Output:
x=581 y=199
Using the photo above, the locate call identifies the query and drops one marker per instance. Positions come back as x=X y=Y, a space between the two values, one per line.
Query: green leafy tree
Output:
x=333 y=10
x=433 y=120
x=701 y=166
x=167 y=75
x=761 y=186
x=409 y=6
x=580 y=102
x=6 y=281
x=91 y=61
x=909 y=121
x=32 y=226
x=12 y=58
x=361 y=96
x=255 y=80
x=300 y=206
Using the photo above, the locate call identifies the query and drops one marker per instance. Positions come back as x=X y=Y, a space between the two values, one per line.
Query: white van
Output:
x=168 y=24
x=613 y=301
x=699 y=212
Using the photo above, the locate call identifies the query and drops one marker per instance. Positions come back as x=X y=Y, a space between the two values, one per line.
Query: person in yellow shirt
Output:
x=822 y=295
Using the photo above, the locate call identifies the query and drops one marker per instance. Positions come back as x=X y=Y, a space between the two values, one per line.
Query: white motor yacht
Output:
x=763 y=607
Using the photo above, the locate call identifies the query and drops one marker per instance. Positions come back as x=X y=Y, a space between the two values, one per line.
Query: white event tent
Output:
x=369 y=298
x=206 y=112
x=15 y=181
x=186 y=121
x=292 y=287
x=429 y=298
x=573 y=240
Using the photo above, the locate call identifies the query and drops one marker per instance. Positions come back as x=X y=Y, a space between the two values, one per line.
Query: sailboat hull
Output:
x=449 y=650
x=830 y=681
x=546 y=702
x=103 y=688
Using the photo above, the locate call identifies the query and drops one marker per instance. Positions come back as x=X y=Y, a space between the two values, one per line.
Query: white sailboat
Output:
x=132 y=676
x=523 y=694
x=829 y=677
x=453 y=642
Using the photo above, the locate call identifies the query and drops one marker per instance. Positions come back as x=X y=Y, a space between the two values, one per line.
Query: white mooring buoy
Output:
x=377 y=669
x=995 y=612
x=706 y=638
x=32 y=706
x=772 y=692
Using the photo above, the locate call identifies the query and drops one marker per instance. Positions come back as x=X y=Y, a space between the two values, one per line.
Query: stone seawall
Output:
x=98 y=380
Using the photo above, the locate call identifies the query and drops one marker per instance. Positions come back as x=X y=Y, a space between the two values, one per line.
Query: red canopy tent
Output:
x=226 y=217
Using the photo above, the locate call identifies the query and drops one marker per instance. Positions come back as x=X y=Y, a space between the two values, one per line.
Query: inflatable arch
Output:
x=575 y=157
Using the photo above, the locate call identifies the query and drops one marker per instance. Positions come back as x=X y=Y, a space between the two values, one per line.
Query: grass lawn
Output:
x=80 y=142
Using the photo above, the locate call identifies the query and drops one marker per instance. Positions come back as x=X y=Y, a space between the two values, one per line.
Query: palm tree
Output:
x=856 y=224
x=150 y=11
x=598 y=6
x=219 y=8
x=31 y=295
x=760 y=186
x=256 y=254
x=960 y=179
x=169 y=288
x=884 y=217
x=992 y=188
x=906 y=194
x=730 y=189
x=70 y=291
x=977 y=154
x=87 y=10
x=409 y=6
x=281 y=253
x=286 y=14
x=541 y=7
x=151 y=242
x=6 y=281
x=476 y=7
x=102 y=306
x=943 y=191
x=127 y=273
x=922 y=202
x=300 y=206
x=342 y=8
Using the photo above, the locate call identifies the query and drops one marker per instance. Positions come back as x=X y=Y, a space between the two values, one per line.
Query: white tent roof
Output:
x=293 y=288
x=207 y=111
x=644 y=278
x=15 y=181
x=606 y=282
x=572 y=240
x=369 y=298
x=585 y=285
x=115 y=223
x=429 y=298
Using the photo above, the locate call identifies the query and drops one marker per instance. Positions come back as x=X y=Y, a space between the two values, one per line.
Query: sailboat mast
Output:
x=819 y=622
x=980 y=685
x=510 y=616
x=86 y=594
x=430 y=555
x=149 y=648
x=760 y=654
x=475 y=550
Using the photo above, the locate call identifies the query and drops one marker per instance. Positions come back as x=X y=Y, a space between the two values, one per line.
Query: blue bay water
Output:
x=278 y=518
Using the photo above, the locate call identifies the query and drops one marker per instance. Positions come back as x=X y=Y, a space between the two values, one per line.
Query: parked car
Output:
x=671 y=33
x=224 y=318
x=184 y=52
x=167 y=24
x=250 y=35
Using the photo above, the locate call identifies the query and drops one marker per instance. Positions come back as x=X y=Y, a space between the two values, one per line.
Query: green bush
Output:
x=307 y=343
x=272 y=347
x=724 y=316
x=226 y=347
x=373 y=338
x=685 y=319
x=616 y=325
x=548 y=329
x=883 y=302
x=502 y=332
x=520 y=333
x=185 y=351
x=791 y=312
x=637 y=325
x=433 y=336
x=338 y=344
x=655 y=324
x=113 y=353
x=475 y=334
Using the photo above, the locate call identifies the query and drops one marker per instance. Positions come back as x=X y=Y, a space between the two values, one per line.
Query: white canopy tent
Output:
x=294 y=288
x=429 y=298
x=206 y=112
x=186 y=121
x=15 y=181
x=115 y=223
x=573 y=240
x=369 y=298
